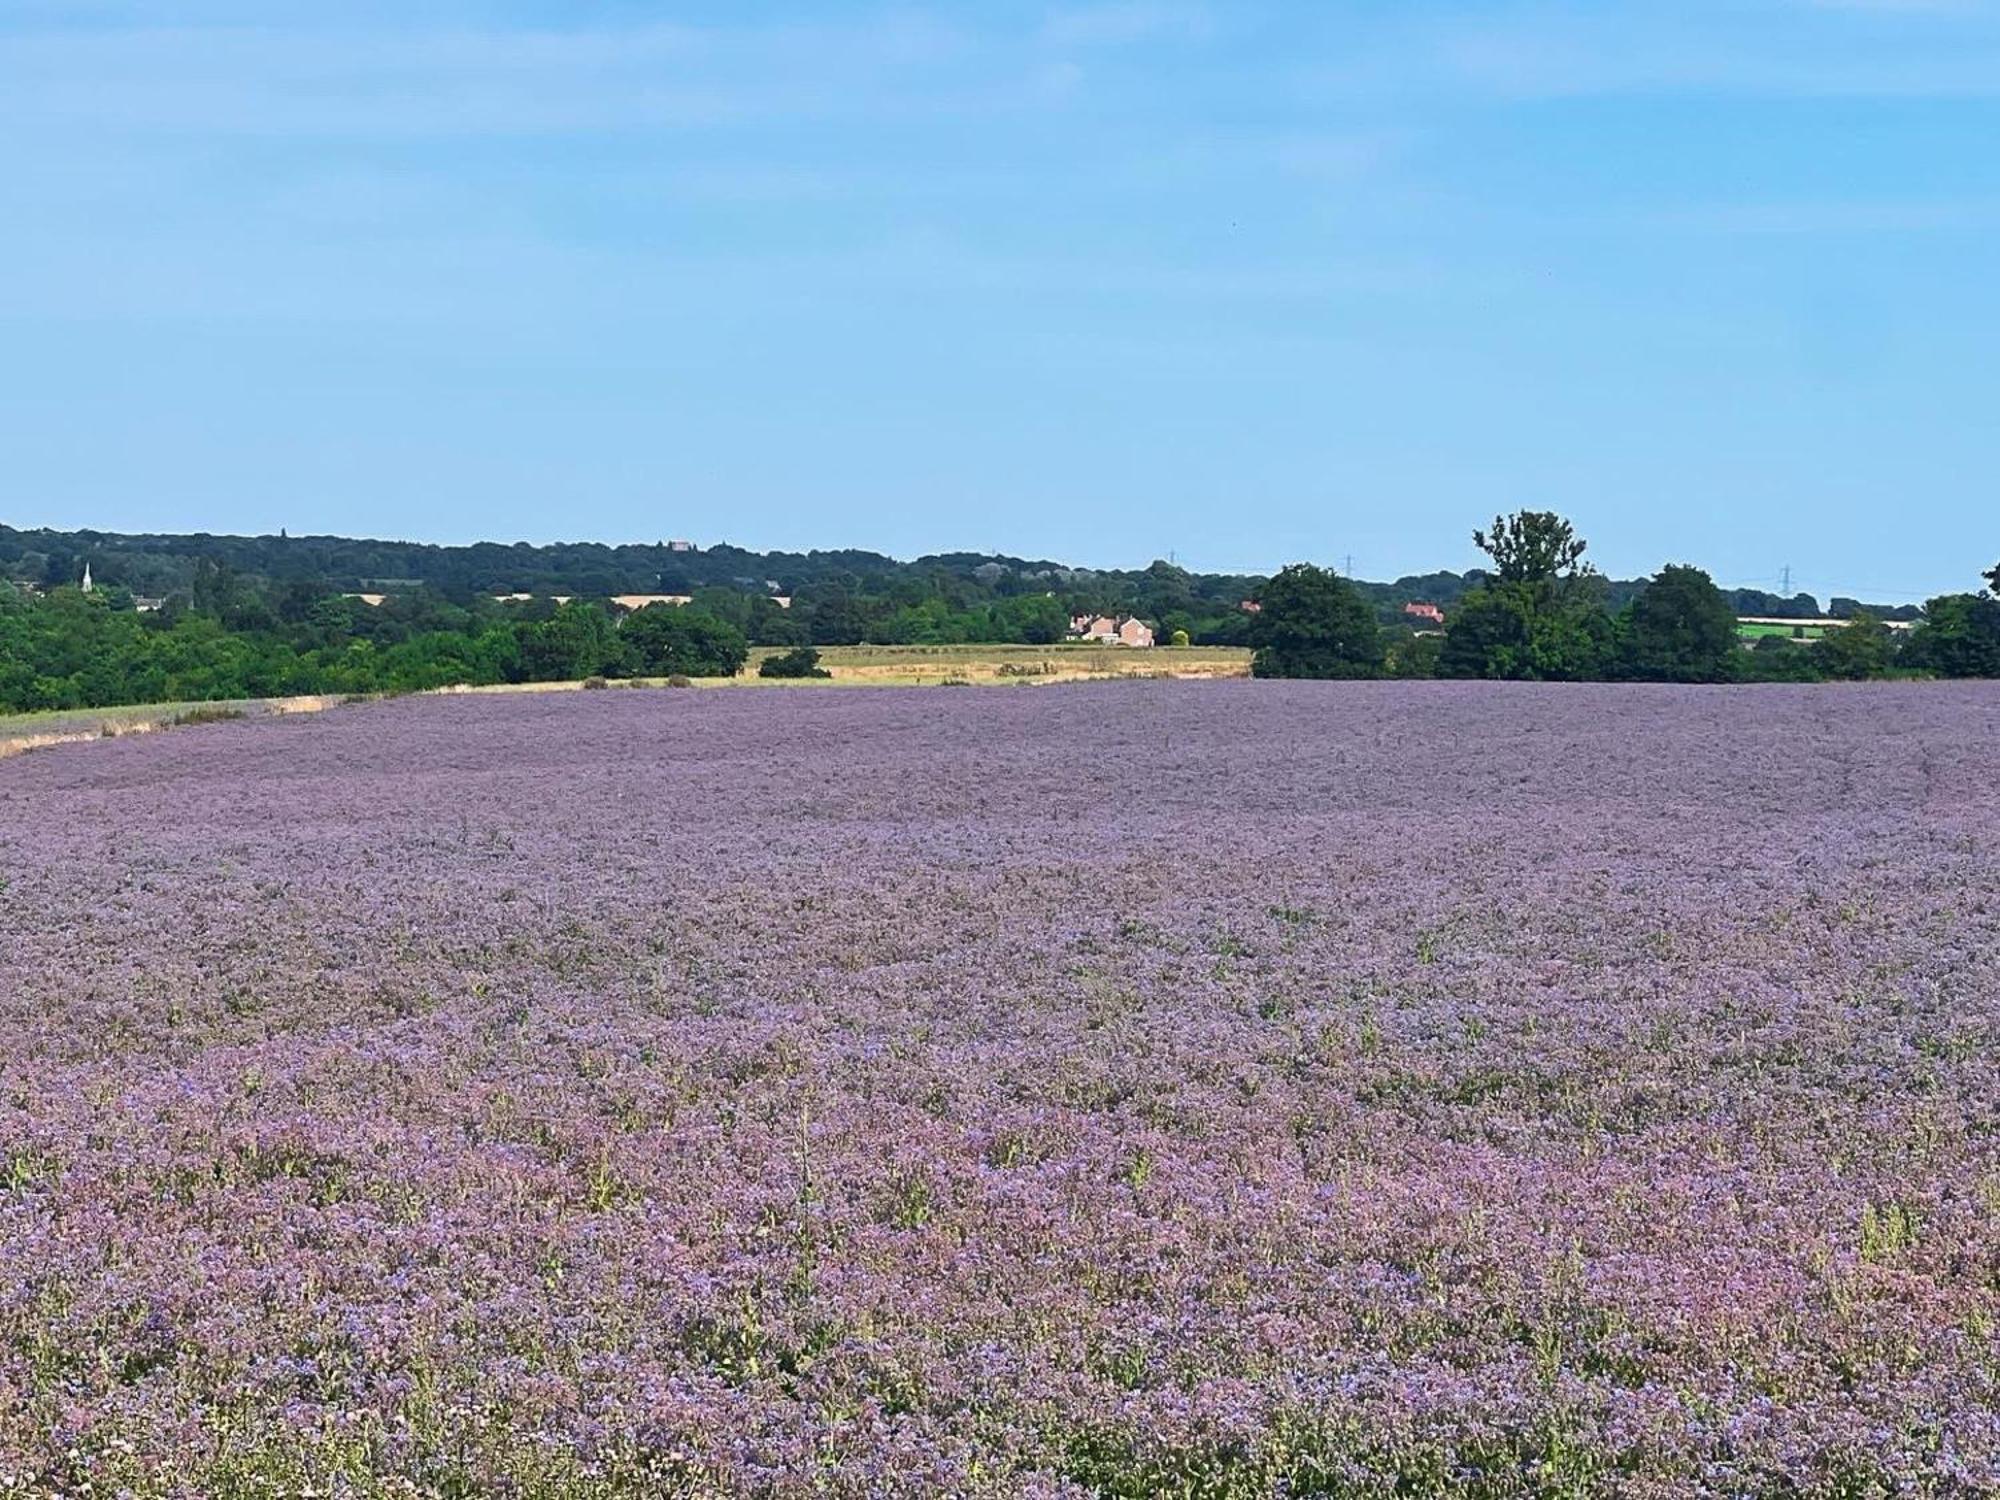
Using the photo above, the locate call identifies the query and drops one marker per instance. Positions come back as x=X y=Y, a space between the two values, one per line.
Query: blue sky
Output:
x=1245 y=283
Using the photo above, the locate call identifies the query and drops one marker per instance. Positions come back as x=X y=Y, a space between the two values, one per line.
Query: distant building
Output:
x=148 y=606
x=642 y=601
x=680 y=546
x=1251 y=607
x=373 y=601
x=1418 y=610
x=1107 y=631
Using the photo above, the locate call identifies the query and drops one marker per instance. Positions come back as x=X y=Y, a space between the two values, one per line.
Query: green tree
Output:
x=1415 y=656
x=1680 y=629
x=668 y=640
x=1777 y=658
x=1959 y=636
x=1315 y=624
x=1860 y=649
x=579 y=640
x=1532 y=546
x=1540 y=615
x=1030 y=620
x=838 y=620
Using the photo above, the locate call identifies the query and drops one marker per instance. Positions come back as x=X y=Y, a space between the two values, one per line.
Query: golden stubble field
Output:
x=927 y=666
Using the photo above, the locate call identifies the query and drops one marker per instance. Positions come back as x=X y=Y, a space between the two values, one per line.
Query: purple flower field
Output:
x=1228 y=1089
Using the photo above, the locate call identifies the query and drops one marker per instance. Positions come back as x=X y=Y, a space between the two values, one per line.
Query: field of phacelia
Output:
x=1224 y=1089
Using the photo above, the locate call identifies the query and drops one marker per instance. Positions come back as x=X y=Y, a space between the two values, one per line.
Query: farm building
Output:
x=1107 y=631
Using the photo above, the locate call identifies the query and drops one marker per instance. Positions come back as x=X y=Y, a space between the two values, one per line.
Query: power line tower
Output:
x=1785 y=585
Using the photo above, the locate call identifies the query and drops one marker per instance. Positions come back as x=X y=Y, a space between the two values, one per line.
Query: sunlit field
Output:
x=1219 y=1089
x=921 y=666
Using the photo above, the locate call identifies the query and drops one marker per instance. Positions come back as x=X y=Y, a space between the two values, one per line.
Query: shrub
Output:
x=800 y=661
x=594 y=683
x=208 y=713
x=678 y=681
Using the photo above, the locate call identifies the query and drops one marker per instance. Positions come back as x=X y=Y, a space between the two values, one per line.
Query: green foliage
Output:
x=579 y=640
x=1959 y=636
x=1180 y=640
x=247 y=617
x=1315 y=624
x=1773 y=658
x=70 y=650
x=1532 y=546
x=683 y=640
x=1527 y=632
x=1680 y=630
x=1861 y=649
x=1032 y=620
x=1887 y=1232
x=1540 y=617
x=801 y=661
x=1415 y=656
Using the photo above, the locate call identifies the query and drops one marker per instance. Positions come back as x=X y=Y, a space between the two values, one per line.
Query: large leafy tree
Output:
x=684 y=641
x=1532 y=546
x=1315 y=624
x=1680 y=629
x=578 y=640
x=1862 y=648
x=1540 y=616
x=1958 y=637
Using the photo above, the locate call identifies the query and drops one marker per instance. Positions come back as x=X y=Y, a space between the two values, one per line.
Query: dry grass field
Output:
x=36 y=731
x=925 y=666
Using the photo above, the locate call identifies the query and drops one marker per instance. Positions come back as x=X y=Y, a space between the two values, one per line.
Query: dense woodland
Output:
x=173 y=618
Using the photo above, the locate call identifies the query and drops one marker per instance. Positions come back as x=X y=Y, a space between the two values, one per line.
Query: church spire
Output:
x=87 y=584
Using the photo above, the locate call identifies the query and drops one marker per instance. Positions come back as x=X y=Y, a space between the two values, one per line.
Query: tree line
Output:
x=217 y=631
x=1543 y=614
x=68 y=649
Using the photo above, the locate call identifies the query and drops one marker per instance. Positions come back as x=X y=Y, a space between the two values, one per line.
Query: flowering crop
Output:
x=1224 y=1089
